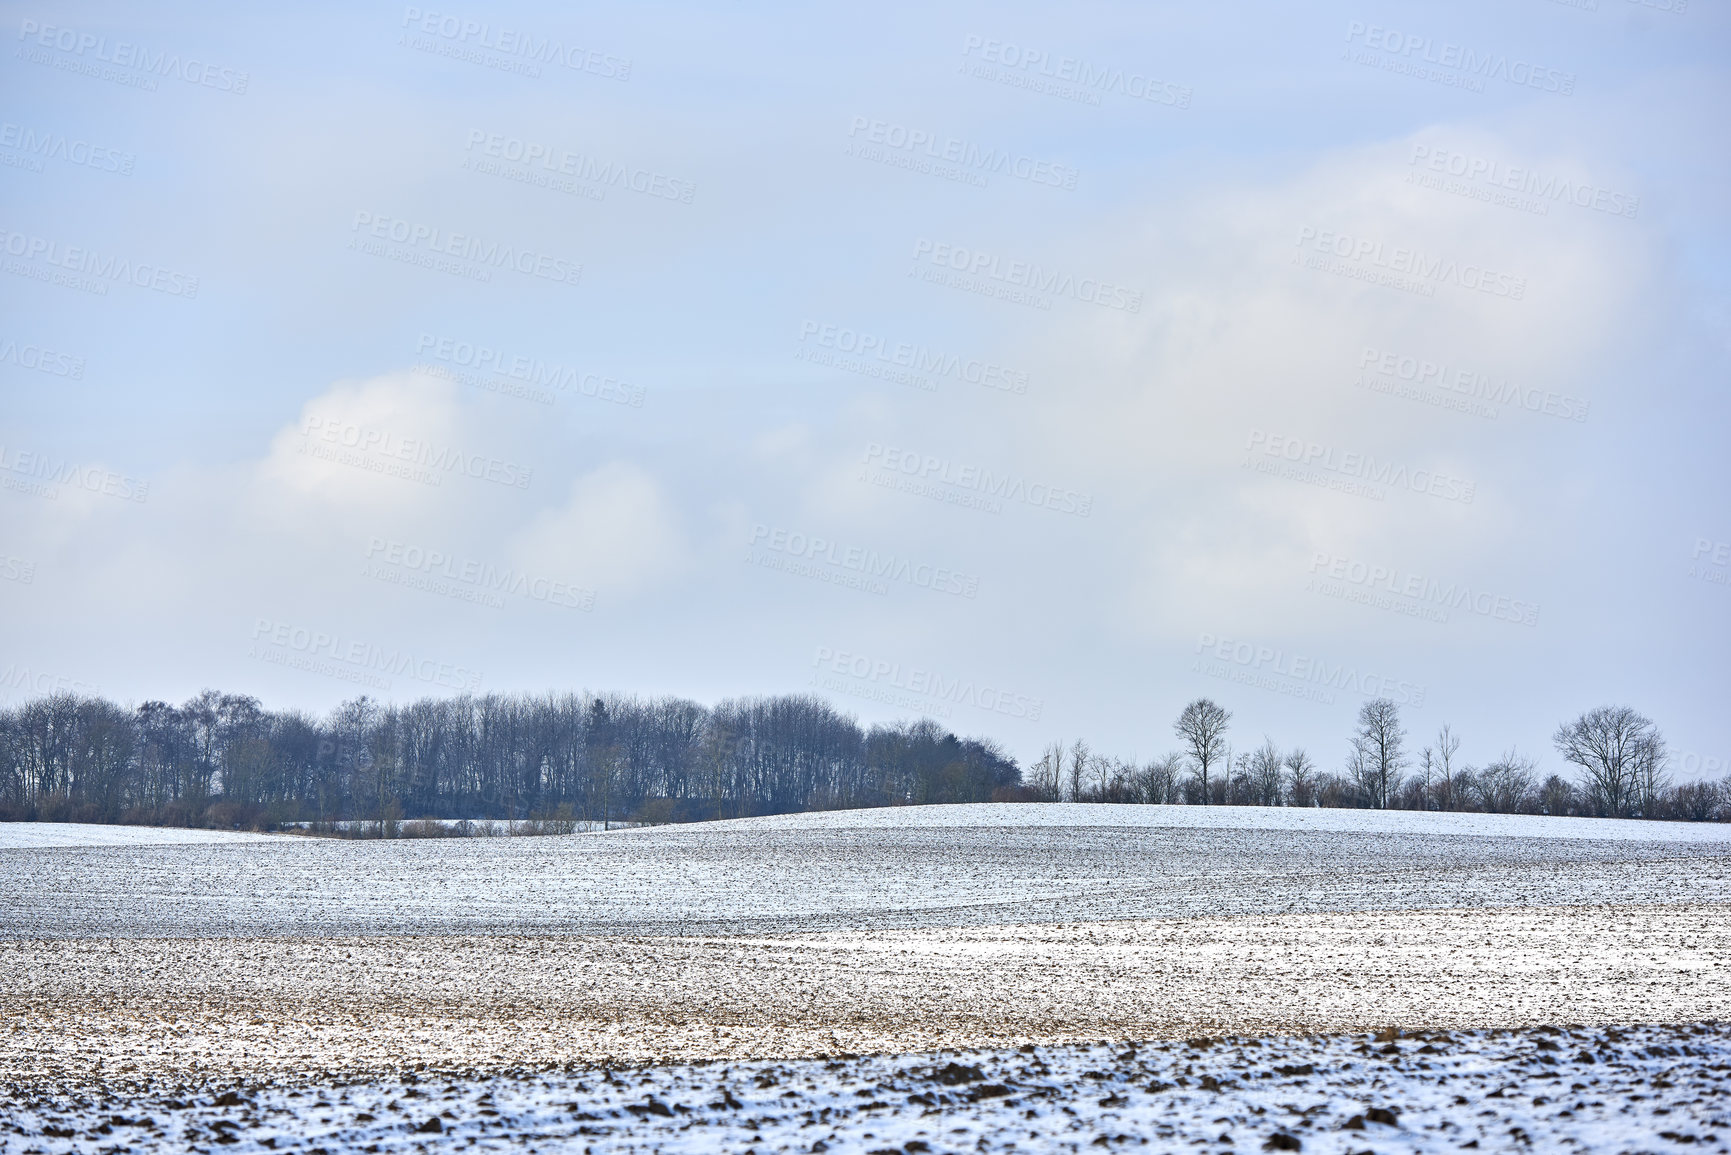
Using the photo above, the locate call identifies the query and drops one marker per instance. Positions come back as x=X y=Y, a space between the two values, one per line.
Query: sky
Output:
x=1036 y=369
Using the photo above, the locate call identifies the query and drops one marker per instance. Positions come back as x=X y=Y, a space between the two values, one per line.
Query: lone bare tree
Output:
x=1446 y=786
x=1202 y=726
x=1079 y=756
x=1621 y=754
x=1378 y=756
x=1301 y=782
x=1416 y=794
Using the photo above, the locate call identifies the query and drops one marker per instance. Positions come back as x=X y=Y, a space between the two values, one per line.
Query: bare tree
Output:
x=1556 y=796
x=1378 y=760
x=1161 y=779
x=1078 y=768
x=1334 y=791
x=1301 y=782
x=1652 y=776
x=1202 y=726
x=1696 y=802
x=1263 y=774
x=1621 y=755
x=1506 y=785
x=1446 y=789
x=1238 y=791
x=1105 y=774
x=1120 y=780
x=1046 y=777
x=1361 y=775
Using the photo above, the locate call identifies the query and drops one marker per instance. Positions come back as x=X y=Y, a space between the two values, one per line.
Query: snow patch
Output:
x=55 y=835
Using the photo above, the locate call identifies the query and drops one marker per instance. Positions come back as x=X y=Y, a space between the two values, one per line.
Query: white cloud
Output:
x=616 y=532
x=367 y=447
x=1156 y=410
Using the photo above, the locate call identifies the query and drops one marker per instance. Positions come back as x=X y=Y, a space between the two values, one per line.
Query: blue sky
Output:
x=1037 y=370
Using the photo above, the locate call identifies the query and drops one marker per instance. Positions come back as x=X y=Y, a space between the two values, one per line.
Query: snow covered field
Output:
x=1408 y=822
x=190 y=1008
x=909 y=867
x=39 y=835
x=468 y=827
x=280 y=962
x=15 y=835
x=1641 y=1089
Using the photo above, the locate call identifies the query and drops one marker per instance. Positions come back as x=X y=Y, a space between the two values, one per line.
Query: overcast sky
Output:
x=1032 y=369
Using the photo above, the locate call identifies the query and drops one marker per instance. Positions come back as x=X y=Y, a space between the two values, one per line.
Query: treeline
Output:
x=1618 y=757
x=555 y=760
x=224 y=760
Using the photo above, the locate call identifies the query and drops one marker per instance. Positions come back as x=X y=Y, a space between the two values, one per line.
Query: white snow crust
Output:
x=57 y=835
x=1272 y=818
x=903 y=867
x=192 y=990
x=1580 y=1090
x=275 y=1007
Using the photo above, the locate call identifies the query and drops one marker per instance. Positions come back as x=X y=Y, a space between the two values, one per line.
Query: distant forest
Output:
x=224 y=760
x=553 y=761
